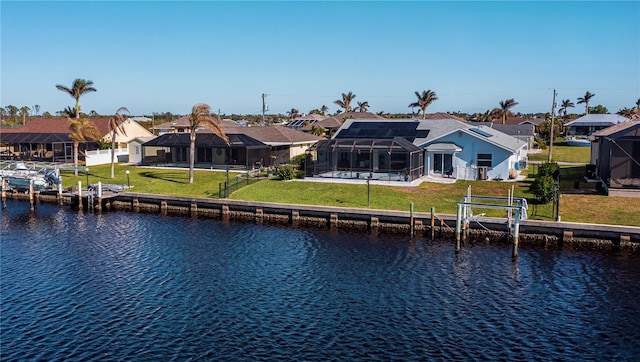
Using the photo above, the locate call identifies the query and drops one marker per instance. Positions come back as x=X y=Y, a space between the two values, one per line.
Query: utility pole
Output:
x=553 y=115
x=264 y=107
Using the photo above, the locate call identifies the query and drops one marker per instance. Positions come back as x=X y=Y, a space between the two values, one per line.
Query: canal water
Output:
x=123 y=286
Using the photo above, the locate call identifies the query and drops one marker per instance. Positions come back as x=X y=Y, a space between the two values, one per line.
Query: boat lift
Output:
x=516 y=208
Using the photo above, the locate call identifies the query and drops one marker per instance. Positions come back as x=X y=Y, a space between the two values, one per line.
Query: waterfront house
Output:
x=417 y=147
x=48 y=139
x=285 y=143
x=615 y=153
x=578 y=131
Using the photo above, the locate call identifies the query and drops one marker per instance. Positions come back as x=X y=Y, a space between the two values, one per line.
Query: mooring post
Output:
x=433 y=222
x=60 y=193
x=4 y=194
x=31 y=198
x=458 y=222
x=516 y=230
x=80 y=195
x=99 y=205
x=411 y=220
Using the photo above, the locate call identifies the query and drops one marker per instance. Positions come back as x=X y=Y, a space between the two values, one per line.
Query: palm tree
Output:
x=505 y=109
x=201 y=116
x=638 y=104
x=79 y=87
x=116 y=126
x=81 y=130
x=293 y=113
x=346 y=101
x=424 y=100
x=585 y=100
x=363 y=106
x=324 y=109
x=563 y=109
x=24 y=112
x=628 y=113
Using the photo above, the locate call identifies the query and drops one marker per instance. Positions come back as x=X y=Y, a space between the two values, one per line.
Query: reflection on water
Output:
x=122 y=286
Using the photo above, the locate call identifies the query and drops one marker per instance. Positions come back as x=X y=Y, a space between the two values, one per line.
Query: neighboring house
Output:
x=47 y=139
x=285 y=143
x=615 y=152
x=578 y=130
x=417 y=147
x=135 y=149
x=172 y=149
x=304 y=120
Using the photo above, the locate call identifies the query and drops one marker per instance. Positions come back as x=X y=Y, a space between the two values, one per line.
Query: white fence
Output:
x=103 y=157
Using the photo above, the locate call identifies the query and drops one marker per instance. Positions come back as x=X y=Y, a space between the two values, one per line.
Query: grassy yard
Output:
x=443 y=197
x=563 y=153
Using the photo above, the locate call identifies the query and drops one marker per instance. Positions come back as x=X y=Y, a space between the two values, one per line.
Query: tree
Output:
x=599 y=109
x=346 y=101
x=563 y=109
x=363 y=106
x=317 y=130
x=36 y=108
x=505 y=109
x=628 y=113
x=93 y=113
x=638 y=104
x=46 y=114
x=12 y=111
x=293 y=113
x=324 y=109
x=587 y=97
x=81 y=130
x=116 y=126
x=201 y=116
x=24 y=112
x=424 y=100
x=79 y=87
x=3 y=112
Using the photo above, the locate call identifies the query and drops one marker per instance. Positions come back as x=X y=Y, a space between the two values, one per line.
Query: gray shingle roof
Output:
x=598 y=120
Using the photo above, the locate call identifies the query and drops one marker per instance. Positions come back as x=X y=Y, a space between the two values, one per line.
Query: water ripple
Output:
x=122 y=286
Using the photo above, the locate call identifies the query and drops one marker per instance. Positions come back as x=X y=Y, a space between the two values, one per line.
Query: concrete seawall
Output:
x=481 y=230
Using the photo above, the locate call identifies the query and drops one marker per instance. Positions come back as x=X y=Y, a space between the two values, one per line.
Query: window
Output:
x=484 y=159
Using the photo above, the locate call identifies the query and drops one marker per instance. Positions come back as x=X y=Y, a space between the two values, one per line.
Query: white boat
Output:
x=581 y=141
x=20 y=177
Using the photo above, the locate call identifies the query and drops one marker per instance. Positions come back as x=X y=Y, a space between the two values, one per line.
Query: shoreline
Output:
x=480 y=230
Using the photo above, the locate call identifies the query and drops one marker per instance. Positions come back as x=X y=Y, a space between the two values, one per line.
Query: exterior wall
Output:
x=103 y=157
x=465 y=162
x=132 y=130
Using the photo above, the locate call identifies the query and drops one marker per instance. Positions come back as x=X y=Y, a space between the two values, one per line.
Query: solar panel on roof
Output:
x=383 y=130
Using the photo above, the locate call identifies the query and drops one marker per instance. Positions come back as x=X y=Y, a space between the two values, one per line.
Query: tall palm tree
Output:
x=563 y=109
x=116 y=127
x=79 y=87
x=505 y=109
x=638 y=104
x=24 y=112
x=324 y=109
x=81 y=130
x=346 y=101
x=363 y=106
x=585 y=100
x=424 y=100
x=201 y=116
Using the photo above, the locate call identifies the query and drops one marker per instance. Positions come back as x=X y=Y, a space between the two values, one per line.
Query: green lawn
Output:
x=563 y=153
x=443 y=197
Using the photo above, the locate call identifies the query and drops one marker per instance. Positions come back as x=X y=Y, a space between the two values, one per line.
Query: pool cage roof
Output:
x=367 y=145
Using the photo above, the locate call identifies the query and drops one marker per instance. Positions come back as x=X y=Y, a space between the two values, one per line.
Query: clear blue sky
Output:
x=157 y=56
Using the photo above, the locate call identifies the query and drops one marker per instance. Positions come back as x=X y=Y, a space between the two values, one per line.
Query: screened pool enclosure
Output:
x=381 y=159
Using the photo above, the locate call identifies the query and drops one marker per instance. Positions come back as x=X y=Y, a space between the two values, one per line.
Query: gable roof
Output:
x=442 y=115
x=275 y=135
x=522 y=129
x=618 y=128
x=425 y=131
x=597 y=120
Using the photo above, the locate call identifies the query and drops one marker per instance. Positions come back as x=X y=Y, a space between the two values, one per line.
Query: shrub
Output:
x=543 y=188
x=286 y=172
x=549 y=169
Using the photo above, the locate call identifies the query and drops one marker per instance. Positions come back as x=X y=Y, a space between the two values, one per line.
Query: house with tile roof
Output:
x=615 y=153
x=48 y=139
x=412 y=148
